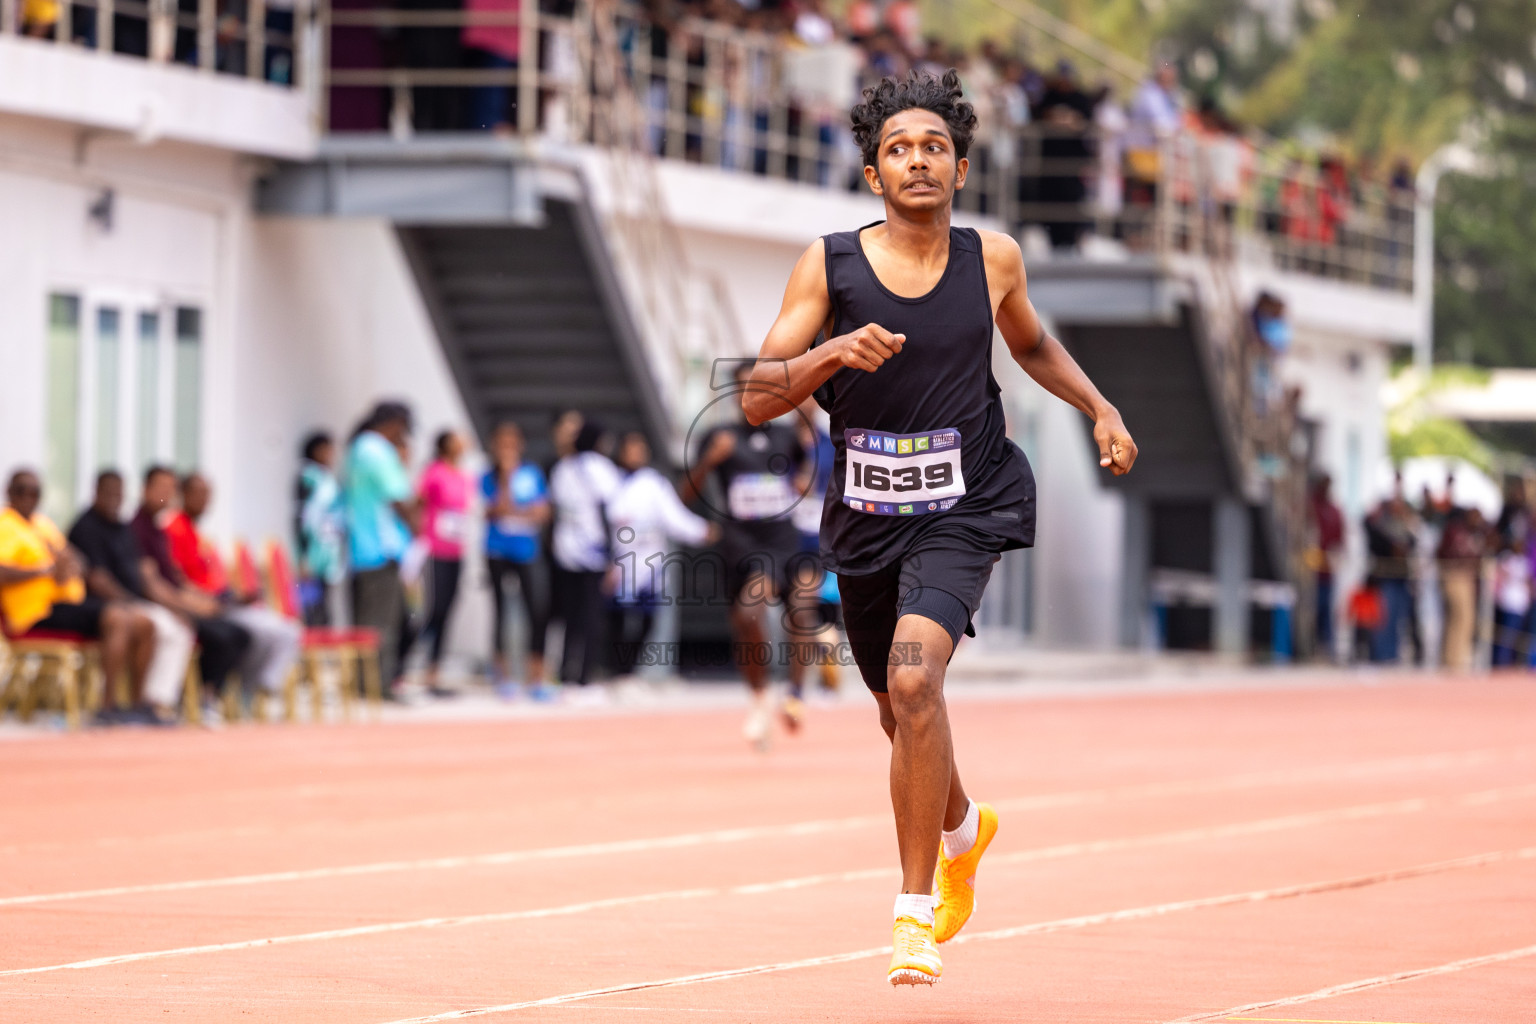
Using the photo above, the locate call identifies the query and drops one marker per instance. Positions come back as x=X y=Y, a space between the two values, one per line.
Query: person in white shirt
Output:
x=1511 y=603
x=647 y=518
x=580 y=488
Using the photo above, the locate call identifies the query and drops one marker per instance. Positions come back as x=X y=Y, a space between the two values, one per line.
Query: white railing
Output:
x=716 y=95
x=250 y=38
x=684 y=311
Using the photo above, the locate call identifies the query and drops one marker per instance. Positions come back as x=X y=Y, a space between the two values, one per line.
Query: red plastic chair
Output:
x=351 y=646
x=247 y=579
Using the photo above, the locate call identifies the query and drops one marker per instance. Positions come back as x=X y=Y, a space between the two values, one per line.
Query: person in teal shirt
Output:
x=320 y=529
x=380 y=512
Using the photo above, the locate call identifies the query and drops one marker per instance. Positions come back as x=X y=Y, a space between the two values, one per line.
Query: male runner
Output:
x=757 y=467
x=927 y=489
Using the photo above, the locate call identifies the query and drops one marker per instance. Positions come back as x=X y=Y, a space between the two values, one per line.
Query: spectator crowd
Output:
x=765 y=86
x=1444 y=585
x=574 y=541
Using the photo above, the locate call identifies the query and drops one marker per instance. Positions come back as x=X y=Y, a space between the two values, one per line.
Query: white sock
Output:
x=964 y=837
x=916 y=905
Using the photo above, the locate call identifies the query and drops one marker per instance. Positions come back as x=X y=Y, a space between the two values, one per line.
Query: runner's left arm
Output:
x=1045 y=359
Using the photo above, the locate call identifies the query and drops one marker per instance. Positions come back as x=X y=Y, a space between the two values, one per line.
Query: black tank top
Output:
x=898 y=426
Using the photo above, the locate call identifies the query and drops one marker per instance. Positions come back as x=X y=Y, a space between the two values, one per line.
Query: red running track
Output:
x=1328 y=852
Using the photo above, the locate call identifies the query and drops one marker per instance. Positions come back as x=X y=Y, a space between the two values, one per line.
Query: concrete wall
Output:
x=177 y=211
x=332 y=322
x=109 y=92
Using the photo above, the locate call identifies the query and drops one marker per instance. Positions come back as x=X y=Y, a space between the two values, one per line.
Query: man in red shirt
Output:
x=275 y=640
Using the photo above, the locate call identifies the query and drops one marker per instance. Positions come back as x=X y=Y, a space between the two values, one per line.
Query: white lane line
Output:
x=804 y=828
x=1363 y=984
x=1193 y=835
x=366 y=929
x=1066 y=850
x=673 y=842
x=1039 y=928
x=1483 y=798
x=1252 y=780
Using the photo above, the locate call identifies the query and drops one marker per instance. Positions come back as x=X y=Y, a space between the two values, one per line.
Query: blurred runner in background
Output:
x=756 y=469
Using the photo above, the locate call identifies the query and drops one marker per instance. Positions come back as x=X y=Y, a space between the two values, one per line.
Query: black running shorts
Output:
x=772 y=551
x=942 y=577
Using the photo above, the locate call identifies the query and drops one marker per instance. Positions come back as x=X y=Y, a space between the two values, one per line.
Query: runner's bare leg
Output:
x=926 y=792
x=748 y=632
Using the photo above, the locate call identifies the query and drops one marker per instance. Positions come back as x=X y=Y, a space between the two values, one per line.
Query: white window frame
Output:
x=131 y=304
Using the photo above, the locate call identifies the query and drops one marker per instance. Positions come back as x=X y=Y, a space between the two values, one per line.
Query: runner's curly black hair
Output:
x=918 y=91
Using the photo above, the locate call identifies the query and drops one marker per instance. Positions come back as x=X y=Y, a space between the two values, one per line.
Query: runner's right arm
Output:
x=788 y=369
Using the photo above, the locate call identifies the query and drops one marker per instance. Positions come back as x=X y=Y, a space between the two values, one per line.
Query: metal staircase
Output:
x=533 y=322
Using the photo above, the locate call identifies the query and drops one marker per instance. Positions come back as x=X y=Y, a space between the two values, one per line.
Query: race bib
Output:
x=452 y=525
x=902 y=474
x=807 y=514
x=513 y=527
x=759 y=496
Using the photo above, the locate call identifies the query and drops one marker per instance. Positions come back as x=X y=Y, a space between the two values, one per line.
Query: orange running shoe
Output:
x=915 y=957
x=954 y=883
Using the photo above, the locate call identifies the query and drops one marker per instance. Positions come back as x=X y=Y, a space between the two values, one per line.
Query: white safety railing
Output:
x=258 y=39
x=720 y=96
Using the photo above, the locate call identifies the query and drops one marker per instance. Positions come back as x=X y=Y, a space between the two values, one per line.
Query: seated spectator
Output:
x=275 y=640
x=319 y=529
x=42 y=589
x=114 y=571
x=224 y=643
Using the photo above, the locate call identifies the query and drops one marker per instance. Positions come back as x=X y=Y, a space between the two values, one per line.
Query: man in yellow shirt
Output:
x=42 y=591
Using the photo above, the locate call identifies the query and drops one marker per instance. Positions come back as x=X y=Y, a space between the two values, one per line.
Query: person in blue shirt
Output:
x=516 y=510
x=381 y=513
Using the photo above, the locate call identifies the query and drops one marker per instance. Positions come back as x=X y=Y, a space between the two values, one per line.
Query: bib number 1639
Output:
x=871 y=477
x=903 y=474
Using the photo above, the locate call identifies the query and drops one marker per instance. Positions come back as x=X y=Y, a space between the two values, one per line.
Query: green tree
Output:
x=1485 y=258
